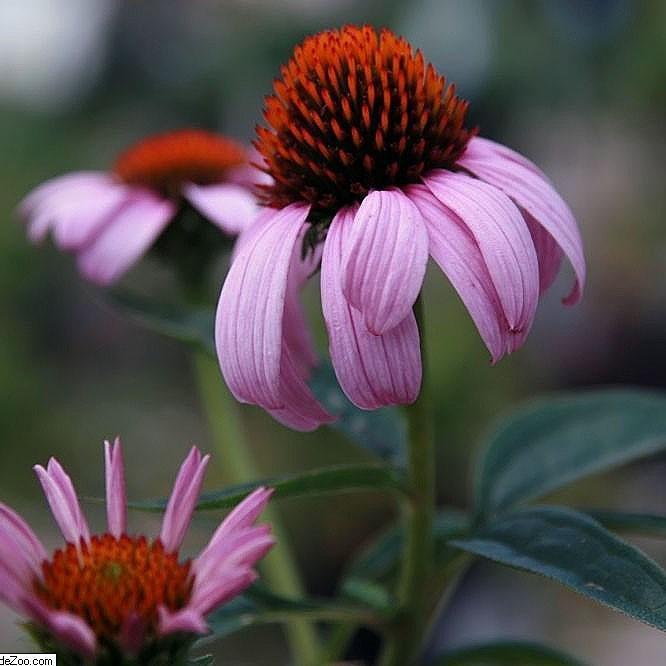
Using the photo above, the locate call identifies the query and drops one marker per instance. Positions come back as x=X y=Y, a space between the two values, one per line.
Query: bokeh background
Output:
x=577 y=85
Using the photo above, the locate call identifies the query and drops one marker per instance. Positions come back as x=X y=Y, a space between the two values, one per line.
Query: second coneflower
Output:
x=110 y=219
x=371 y=158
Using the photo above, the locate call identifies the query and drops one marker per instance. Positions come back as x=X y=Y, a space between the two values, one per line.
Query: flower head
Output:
x=374 y=170
x=117 y=593
x=109 y=220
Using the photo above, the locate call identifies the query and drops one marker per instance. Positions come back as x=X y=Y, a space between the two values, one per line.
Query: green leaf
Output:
x=383 y=432
x=334 y=479
x=645 y=524
x=578 y=552
x=507 y=653
x=192 y=325
x=261 y=606
x=379 y=559
x=550 y=443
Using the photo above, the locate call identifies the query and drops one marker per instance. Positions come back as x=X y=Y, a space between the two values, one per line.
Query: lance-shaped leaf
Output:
x=576 y=551
x=552 y=442
x=506 y=653
x=643 y=524
x=260 y=606
x=192 y=325
x=333 y=479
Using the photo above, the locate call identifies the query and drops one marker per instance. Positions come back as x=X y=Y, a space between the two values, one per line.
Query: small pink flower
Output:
x=109 y=220
x=119 y=592
x=370 y=158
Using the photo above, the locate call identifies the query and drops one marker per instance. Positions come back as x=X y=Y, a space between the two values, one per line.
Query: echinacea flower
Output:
x=110 y=219
x=370 y=157
x=104 y=596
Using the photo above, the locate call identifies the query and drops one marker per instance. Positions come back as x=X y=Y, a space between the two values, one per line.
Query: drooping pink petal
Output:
x=249 y=324
x=244 y=547
x=482 y=148
x=77 y=222
x=385 y=259
x=231 y=207
x=503 y=240
x=531 y=190
x=243 y=515
x=301 y=410
x=14 y=529
x=68 y=629
x=215 y=591
x=125 y=239
x=372 y=370
x=549 y=253
x=456 y=252
x=116 y=499
x=57 y=190
x=248 y=175
x=185 y=621
x=183 y=498
x=63 y=501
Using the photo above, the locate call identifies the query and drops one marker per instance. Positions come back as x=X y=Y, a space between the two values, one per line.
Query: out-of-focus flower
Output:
x=371 y=159
x=115 y=594
x=109 y=220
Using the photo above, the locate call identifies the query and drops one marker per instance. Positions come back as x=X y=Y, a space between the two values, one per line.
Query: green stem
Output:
x=402 y=647
x=236 y=460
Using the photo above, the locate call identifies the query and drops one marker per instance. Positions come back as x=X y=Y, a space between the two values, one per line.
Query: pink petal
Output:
x=68 y=629
x=456 y=252
x=125 y=238
x=249 y=315
x=482 y=148
x=13 y=590
x=14 y=562
x=185 y=621
x=215 y=591
x=548 y=252
x=116 y=499
x=231 y=207
x=77 y=181
x=301 y=411
x=242 y=548
x=503 y=240
x=529 y=188
x=13 y=528
x=385 y=259
x=372 y=370
x=242 y=516
x=249 y=175
x=63 y=501
x=183 y=498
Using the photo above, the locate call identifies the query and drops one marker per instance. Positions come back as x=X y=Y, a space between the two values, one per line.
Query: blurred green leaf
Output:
x=572 y=549
x=506 y=653
x=334 y=479
x=645 y=524
x=191 y=325
x=261 y=606
x=379 y=559
x=383 y=432
x=552 y=442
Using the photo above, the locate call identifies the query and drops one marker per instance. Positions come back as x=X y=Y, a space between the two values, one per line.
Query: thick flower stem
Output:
x=402 y=647
x=236 y=461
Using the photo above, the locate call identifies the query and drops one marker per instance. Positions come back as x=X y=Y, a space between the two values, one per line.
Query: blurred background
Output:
x=576 y=85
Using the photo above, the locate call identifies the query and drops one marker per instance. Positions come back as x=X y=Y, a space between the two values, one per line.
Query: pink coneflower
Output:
x=116 y=594
x=370 y=157
x=110 y=219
